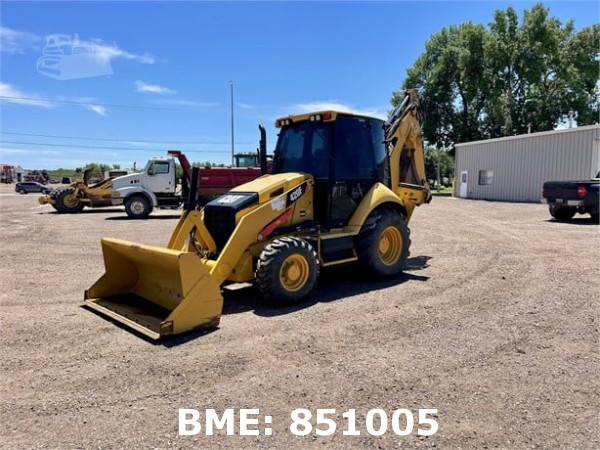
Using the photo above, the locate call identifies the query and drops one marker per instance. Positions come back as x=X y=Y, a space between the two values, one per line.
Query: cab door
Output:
x=360 y=161
x=307 y=147
x=160 y=177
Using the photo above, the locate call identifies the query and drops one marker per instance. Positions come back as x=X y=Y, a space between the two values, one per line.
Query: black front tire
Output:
x=287 y=270
x=22 y=191
x=138 y=207
x=561 y=213
x=383 y=244
x=66 y=202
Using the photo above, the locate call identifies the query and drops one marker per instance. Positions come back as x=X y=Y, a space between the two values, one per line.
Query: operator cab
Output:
x=245 y=160
x=345 y=153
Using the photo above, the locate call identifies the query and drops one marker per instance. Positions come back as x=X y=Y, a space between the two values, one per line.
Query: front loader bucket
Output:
x=156 y=291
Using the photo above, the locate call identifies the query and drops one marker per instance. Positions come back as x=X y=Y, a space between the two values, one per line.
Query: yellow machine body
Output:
x=78 y=194
x=163 y=291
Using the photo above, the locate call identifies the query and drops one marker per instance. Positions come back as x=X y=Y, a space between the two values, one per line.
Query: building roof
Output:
x=530 y=135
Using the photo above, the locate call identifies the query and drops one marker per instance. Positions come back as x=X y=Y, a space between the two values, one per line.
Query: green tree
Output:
x=98 y=168
x=178 y=171
x=454 y=84
x=446 y=162
x=583 y=53
x=478 y=83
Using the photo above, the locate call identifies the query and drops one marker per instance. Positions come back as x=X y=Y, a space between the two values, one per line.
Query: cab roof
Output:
x=324 y=116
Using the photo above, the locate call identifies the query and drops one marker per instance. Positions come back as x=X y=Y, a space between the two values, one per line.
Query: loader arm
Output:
x=162 y=291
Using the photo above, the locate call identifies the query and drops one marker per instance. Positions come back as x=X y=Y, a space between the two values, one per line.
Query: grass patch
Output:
x=446 y=192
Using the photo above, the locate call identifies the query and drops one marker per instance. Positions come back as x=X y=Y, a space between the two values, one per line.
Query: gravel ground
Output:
x=494 y=324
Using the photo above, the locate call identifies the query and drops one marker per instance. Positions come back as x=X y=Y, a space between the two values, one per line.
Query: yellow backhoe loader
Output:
x=343 y=189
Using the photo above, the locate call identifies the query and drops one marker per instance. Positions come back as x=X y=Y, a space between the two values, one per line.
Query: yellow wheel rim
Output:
x=71 y=200
x=294 y=273
x=390 y=245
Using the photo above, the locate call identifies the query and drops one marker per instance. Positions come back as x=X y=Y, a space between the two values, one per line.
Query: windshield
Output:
x=304 y=147
x=245 y=160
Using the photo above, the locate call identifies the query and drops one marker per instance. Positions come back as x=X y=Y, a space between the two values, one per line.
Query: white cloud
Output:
x=112 y=51
x=98 y=109
x=142 y=86
x=105 y=51
x=246 y=106
x=379 y=112
x=11 y=94
x=18 y=42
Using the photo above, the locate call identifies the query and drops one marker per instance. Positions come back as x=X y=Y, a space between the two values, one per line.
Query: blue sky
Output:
x=163 y=80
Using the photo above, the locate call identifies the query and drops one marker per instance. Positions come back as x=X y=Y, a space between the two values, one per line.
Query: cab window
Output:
x=158 y=167
x=360 y=149
x=304 y=147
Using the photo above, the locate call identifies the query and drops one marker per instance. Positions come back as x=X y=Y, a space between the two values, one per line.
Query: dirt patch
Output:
x=494 y=324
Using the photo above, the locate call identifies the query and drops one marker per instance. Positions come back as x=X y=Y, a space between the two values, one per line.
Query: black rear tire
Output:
x=287 y=270
x=65 y=202
x=561 y=213
x=138 y=207
x=383 y=244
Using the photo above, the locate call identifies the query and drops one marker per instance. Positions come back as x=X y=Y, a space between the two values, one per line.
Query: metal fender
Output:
x=120 y=195
x=378 y=195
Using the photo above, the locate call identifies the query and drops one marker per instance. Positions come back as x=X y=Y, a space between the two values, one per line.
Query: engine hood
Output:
x=269 y=186
x=134 y=179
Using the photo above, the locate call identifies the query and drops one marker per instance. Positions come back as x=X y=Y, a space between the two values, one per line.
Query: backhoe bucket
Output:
x=156 y=291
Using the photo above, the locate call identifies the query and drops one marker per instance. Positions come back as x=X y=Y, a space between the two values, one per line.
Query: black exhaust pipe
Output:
x=192 y=200
x=262 y=149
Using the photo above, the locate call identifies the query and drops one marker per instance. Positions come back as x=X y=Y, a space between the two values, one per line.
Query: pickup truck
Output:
x=565 y=198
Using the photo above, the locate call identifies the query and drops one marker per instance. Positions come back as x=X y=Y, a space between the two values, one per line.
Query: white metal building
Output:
x=514 y=168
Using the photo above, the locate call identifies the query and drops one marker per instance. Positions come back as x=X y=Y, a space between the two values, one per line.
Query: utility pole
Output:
x=232 y=144
x=572 y=115
x=439 y=178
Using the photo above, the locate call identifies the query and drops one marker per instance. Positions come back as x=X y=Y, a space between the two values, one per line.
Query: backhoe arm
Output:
x=405 y=147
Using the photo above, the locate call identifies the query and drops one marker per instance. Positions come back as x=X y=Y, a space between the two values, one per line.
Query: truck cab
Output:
x=155 y=186
x=159 y=176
